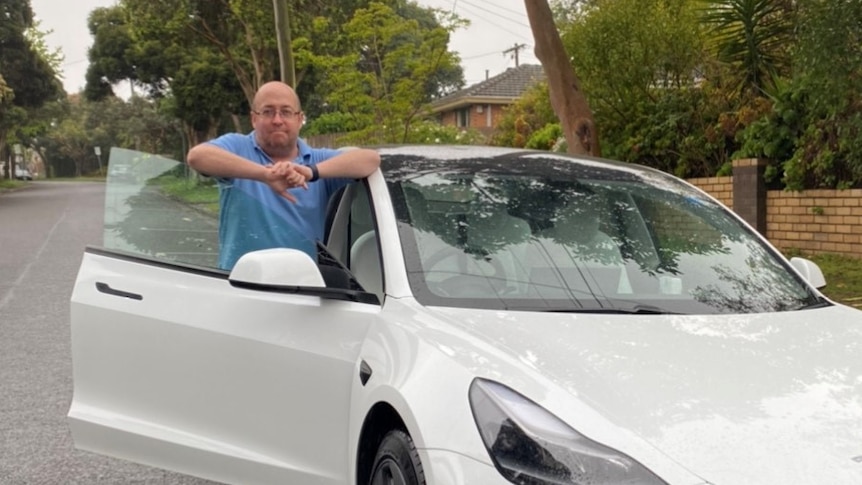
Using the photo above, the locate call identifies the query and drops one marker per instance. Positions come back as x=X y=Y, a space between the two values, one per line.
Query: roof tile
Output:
x=509 y=84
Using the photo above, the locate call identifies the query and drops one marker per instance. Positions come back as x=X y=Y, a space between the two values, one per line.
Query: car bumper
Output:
x=443 y=466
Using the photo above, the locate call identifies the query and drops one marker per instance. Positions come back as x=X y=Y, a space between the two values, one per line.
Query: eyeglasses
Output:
x=285 y=113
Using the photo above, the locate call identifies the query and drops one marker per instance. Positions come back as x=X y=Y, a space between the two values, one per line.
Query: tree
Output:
x=112 y=56
x=813 y=133
x=381 y=87
x=528 y=115
x=26 y=73
x=752 y=36
x=652 y=84
x=569 y=102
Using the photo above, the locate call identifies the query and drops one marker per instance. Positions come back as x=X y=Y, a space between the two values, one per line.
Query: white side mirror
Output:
x=277 y=267
x=810 y=271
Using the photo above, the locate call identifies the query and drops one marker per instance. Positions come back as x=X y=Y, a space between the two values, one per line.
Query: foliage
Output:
x=25 y=71
x=773 y=135
x=53 y=57
x=209 y=56
x=432 y=132
x=751 y=36
x=204 y=196
x=546 y=137
x=642 y=67
x=81 y=125
x=528 y=114
x=111 y=56
x=28 y=78
x=813 y=133
x=379 y=86
x=828 y=66
x=626 y=50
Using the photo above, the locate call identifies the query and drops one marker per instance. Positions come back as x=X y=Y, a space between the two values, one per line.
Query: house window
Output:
x=463 y=117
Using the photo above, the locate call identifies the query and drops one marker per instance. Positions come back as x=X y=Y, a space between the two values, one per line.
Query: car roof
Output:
x=399 y=161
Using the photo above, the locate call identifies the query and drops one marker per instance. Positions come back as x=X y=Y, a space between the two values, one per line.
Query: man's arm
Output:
x=211 y=160
x=354 y=163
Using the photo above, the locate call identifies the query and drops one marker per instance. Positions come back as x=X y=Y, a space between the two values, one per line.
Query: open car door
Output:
x=240 y=377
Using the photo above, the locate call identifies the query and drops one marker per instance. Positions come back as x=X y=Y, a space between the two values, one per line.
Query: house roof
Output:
x=500 y=89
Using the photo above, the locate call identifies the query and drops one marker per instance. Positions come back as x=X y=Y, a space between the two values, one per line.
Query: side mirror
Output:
x=810 y=271
x=293 y=271
x=277 y=267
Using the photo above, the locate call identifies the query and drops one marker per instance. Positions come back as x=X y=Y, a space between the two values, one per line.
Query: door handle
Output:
x=105 y=288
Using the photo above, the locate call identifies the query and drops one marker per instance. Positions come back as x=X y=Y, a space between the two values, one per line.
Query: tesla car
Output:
x=473 y=315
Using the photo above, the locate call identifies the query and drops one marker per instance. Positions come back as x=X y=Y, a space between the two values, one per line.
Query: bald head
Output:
x=276 y=90
x=277 y=118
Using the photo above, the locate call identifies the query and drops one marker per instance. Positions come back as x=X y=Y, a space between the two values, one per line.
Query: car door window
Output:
x=142 y=217
x=364 y=253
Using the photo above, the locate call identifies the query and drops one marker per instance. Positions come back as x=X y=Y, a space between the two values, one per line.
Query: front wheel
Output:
x=397 y=461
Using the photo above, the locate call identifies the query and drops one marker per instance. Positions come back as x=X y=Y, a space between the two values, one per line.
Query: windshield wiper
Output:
x=814 y=303
x=633 y=310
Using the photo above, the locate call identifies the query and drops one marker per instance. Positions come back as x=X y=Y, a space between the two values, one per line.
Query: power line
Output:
x=500 y=7
x=74 y=62
x=468 y=12
x=497 y=14
x=495 y=52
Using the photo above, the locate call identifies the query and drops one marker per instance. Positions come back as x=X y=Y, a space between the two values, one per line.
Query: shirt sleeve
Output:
x=231 y=142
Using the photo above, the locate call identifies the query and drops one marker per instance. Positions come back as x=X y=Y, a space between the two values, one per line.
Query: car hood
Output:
x=753 y=399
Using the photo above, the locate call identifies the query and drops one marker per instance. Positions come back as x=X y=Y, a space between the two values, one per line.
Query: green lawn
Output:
x=202 y=196
x=843 y=277
x=6 y=184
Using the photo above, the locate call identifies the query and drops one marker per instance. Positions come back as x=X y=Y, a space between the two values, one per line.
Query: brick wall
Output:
x=719 y=187
x=817 y=221
x=814 y=221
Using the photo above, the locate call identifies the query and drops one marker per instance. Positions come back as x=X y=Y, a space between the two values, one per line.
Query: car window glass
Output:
x=142 y=217
x=159 y=208
x=364 y=257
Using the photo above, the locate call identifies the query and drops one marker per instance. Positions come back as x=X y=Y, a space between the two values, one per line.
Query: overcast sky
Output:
x=496 y=25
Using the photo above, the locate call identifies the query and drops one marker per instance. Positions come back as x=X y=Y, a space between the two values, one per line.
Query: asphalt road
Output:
x=44 y=229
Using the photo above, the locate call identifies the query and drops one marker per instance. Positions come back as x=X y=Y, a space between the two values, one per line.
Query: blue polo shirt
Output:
x=252 y=216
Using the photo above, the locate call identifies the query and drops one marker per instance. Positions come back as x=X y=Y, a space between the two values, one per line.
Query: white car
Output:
x=23 y=174
x=475 y=315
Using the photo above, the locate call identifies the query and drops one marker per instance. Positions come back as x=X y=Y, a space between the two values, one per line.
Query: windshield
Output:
x=545 y=233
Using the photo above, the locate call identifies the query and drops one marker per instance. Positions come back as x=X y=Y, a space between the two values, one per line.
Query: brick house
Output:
x=481 y=105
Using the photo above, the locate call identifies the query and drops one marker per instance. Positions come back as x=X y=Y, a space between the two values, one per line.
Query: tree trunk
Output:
x=567 y=99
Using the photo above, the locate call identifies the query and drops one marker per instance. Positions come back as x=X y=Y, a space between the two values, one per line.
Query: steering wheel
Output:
x=462 y=284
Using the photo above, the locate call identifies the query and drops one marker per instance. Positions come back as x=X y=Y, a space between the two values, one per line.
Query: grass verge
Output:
x=6 y=184
x=201 y=196
x=843 y=277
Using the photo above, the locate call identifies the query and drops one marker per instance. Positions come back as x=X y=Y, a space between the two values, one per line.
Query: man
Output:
x=274 y=188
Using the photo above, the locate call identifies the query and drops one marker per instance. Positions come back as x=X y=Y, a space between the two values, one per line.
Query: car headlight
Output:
x=529 y=445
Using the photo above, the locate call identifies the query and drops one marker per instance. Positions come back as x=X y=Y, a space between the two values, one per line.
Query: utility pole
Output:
x=285 y=43
x=516 y=49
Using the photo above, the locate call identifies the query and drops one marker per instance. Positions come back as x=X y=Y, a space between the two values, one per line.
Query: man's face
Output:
x=276 y=119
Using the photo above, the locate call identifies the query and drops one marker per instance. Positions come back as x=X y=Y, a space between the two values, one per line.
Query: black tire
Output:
x=397 y=461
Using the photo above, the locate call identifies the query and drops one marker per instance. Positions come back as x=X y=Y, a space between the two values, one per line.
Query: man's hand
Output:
x=282 y=176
